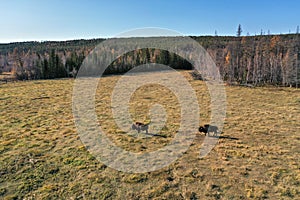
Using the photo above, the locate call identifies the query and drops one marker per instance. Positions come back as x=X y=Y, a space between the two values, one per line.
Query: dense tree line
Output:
x=143 y=56
x=265 y=59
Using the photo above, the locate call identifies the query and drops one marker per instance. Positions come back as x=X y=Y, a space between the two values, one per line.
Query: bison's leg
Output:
x=215 y=132
x=133 y=127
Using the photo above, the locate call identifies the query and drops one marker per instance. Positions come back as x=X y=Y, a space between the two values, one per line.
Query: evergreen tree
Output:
x=52 y=63
x=148 y=58
x=239 y=31
x=45 y=71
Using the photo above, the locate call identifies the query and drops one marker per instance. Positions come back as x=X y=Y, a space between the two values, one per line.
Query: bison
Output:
x=140 y=127
x=208 y=128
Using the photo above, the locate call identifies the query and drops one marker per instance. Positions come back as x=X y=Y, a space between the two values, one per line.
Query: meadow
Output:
x=42 y=156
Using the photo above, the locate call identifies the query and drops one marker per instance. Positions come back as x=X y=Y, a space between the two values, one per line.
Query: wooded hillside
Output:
x=265 y=59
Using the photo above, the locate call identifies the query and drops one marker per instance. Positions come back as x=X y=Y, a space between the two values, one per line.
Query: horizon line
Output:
x=111 y=37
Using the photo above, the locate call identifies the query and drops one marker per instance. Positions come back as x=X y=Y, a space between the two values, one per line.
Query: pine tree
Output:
x=52 y=62
x=45 y=70
x=148 y=57
x=239 y=31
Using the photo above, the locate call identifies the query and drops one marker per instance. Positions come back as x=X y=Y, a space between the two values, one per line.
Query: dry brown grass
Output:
x=42 y=156
x=7 y=76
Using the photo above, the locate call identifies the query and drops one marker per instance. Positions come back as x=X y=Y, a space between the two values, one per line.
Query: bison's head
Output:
x=202 y=129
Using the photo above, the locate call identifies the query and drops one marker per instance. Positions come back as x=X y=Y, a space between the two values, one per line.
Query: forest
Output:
x=256 y=60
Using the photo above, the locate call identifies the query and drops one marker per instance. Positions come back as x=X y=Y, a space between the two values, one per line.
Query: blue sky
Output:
x=27 y=20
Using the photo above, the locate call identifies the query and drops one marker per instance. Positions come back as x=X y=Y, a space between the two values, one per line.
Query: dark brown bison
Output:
x=208 y=128
x=140 y=127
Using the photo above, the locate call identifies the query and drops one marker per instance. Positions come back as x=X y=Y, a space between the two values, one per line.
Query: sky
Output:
x=40 y=20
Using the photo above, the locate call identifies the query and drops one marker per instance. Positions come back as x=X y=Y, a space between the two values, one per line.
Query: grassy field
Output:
x=42 y=156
